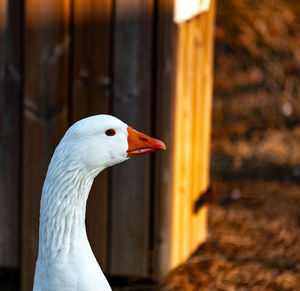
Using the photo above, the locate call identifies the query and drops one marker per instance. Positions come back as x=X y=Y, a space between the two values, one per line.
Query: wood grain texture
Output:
x=3 y=21
x=45 y=110
x=201 y=137
x=10 y=130
x=164 y=112
x=187 y=135
x=91 y=95
x=193 y=91
x=132 y=73
x=177 y=197
x=205 y=88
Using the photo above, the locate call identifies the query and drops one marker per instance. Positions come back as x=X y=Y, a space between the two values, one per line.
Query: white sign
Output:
x=186 y=9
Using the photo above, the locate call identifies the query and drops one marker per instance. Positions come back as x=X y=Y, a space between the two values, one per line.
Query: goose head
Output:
x=100 y=141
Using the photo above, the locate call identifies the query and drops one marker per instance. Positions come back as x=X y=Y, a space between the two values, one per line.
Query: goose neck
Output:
x=63 y=208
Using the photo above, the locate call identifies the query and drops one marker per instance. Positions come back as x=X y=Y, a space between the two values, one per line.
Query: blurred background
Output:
x=254 y=225
x=253 y=233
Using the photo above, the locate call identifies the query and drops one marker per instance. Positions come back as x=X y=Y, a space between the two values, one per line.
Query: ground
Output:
x=253 y=243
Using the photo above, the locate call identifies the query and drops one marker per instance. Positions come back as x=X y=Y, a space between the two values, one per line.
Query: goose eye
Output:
x=110 y=132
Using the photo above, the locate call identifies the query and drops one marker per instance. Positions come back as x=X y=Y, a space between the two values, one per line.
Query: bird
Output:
x=65 y=258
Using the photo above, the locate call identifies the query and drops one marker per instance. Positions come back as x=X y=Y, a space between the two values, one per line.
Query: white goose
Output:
x=65 y=258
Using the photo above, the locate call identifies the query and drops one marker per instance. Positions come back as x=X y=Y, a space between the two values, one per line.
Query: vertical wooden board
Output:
x=205 y=89
x=191 y=134
x=45 y=110
x=188 y=158
x=198 y=228
x=3 y=21
x=90 y=96
x=46 y=60
x=10 y=130
x=165 y=48
x=194 y=81
x=177 y=187
x=91 y=57
x=132 y=72
x=183 y=140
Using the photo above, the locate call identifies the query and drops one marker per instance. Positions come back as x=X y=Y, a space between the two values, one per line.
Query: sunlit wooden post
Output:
x=192 y=114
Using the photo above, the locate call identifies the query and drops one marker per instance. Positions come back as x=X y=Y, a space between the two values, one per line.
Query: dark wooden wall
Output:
x=133 y=102
x=91 y=82
x=63 y=60
x=10 y=130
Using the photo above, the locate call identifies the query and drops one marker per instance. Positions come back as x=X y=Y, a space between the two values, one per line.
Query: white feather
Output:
x=65 y=259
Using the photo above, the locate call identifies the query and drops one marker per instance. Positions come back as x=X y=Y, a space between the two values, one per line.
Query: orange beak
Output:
x=139 y=143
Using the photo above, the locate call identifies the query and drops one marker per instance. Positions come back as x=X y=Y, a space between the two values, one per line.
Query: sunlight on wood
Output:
x=46 y=85
x=92 y=10
x=3 y=12
x=191 y=134
x=40 y=14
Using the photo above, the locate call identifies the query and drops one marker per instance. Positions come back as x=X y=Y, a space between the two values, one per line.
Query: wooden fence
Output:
x=62 y=60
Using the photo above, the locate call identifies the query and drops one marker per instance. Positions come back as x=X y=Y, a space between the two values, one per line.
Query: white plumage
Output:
x=65 y=258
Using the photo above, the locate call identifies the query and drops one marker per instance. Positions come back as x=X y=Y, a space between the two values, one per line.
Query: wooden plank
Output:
x=183 y=142
x=10 y=130
x=165 y=49
x=191 y=134
x=198 y=225
x=177 y=188
x=45 y=112
x=91 y=95
x=188 y=135
x=3 y=21
x=205 y=89
x=132 y=103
